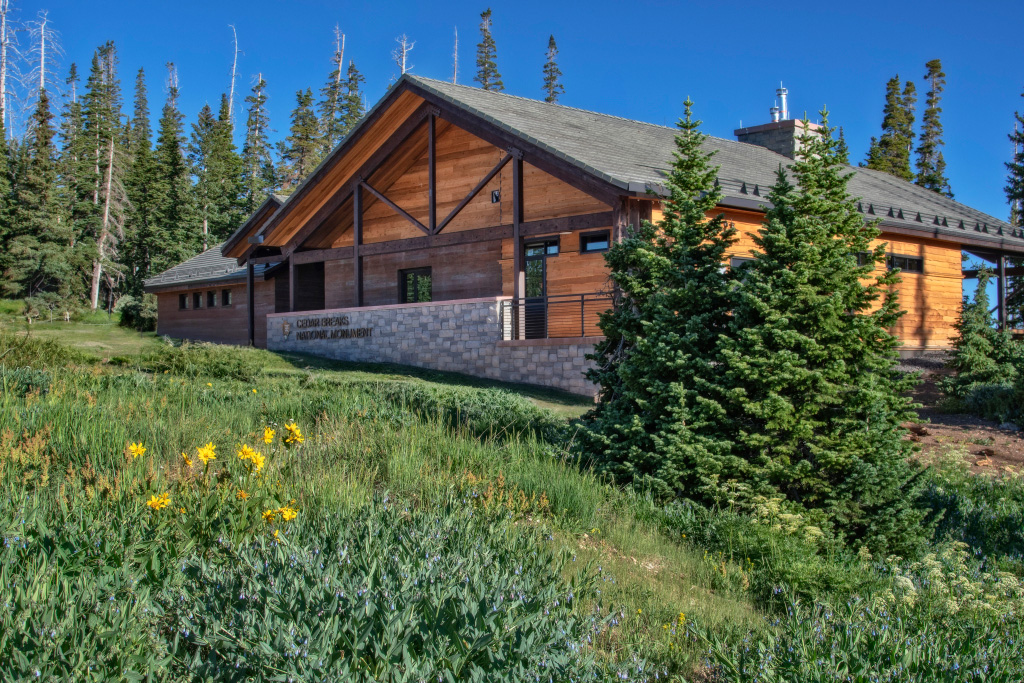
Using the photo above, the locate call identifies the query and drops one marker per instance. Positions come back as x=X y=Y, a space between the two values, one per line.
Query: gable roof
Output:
x=209 y=267
x=236 y=244
x=635 y=156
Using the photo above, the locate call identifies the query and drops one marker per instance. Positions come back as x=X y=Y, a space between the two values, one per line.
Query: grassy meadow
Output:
x=192 y=512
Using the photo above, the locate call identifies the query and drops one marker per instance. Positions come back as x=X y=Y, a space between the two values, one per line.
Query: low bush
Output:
x=199 y=359
x=138 y=313
x=28 y=351
x=21 y=381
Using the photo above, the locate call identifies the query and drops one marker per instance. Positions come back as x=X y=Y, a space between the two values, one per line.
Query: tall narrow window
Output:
x=182 y=301
x=415 y=286
x=197 y=300
x=211 y=299
x=225 y=297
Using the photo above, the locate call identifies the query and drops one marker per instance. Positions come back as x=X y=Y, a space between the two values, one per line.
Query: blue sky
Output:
x=638 y=60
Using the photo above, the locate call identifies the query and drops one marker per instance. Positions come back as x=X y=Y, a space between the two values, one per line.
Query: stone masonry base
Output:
x=456 y=336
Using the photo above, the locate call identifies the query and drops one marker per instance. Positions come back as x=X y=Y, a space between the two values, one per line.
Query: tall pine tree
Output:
x=931 y=166
x=177 y=229
x=552 y=74
x=1014 y=188
x=332 y=100
x=891 y=152
x=141 y=232
x=352 y=107
x=806 y=373
x=216 y=169
x=487 y=56
x=299 y=151
x=258 y=176
x=651 y=427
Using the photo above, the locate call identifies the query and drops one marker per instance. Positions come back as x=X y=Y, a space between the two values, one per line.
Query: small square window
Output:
x=211 y=299
x=415 y=286
x=225 y=297
x=197 y=300
x=738 y=261
x=182 y=302
x=906 y=264
x=592 y=242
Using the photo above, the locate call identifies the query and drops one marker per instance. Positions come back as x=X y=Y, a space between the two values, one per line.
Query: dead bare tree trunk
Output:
x=5 y=42
x=455 y=58
x=234 y=71
x=104 y=236
x=401 y=53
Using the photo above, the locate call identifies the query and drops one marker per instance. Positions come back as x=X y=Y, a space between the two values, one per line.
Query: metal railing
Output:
x=553 y=317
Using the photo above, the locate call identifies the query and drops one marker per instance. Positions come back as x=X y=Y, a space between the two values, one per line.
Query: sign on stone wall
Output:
x=324 y=327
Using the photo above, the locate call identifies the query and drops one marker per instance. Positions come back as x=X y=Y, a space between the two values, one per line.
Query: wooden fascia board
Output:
x=253 y=223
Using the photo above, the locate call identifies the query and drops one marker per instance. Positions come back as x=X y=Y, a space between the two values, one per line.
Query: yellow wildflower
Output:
x=245 y=452
x=268 y=435
x=254 y=391
x=207 y=453
x=181 y=510
x=294 y=434
x=257 y=461
x=242 y=495
x=275 y=535
x=136 y=450
x=287 y=513
x=209 y=384
x=159 y=502
x=188 y=460
x=269 y=516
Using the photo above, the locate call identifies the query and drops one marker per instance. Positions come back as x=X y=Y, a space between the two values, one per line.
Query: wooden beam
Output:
x=250 y=296
x=1001 y=291
x=474 y=192
x=357 y=241
x=543 y=159
x=395 y=207
x=266 y=259
x=518 y=272
x=448 y=239
x=1010 y=272
x=292 y=285
x=432 y=172
x=404 y=132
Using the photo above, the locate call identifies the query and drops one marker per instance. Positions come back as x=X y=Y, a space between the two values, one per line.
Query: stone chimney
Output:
x=782 y=134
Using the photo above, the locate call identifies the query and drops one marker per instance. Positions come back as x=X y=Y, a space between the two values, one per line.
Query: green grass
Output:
x=96 y=333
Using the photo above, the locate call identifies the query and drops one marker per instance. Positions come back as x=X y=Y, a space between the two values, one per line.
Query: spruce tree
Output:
x=331 y=106
x=216 y=169
x=891 y=152
x=807 y=370
x=552 y=74
x=931 y=166
x=842 y=150
x=652 y=426
x=258 y=176
x=1014 y=190
x=487 y=56
x=141 y=233
x=299 y=151
x=228 y=176
x=176 y=227
x=352 y=108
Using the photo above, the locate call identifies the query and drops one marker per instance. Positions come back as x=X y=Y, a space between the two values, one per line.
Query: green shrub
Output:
x=138 y=313
x=199 y=359
x=20 y=381
x=29 y=351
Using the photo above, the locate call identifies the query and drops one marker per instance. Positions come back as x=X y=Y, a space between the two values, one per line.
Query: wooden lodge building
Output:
x=464 y=230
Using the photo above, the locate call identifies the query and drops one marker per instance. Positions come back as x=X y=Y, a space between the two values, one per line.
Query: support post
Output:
x=431 y=174
x=250 y=297
x=357 y=241
x=1001 y=291
x=292 y=285
x=518 y=272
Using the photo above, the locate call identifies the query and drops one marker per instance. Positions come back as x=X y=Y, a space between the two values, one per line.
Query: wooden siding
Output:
x=220 y=324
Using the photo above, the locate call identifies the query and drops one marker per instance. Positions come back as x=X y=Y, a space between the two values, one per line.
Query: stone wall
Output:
x=455 y=336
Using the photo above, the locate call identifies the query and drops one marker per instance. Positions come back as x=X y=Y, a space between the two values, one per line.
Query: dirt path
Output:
x=988 y=448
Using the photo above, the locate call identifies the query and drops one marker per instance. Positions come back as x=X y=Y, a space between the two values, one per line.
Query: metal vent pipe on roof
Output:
x=775 y=114
x=783 y=93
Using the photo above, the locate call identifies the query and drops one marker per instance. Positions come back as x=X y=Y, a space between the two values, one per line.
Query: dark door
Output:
x=535 y=303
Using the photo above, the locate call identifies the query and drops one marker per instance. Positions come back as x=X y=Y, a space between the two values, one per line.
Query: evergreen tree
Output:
x=299 y=151
x=102 y=170
x=177 y=233
x=931 y=166
x=140 y=231
x=258 y=176
x=842 y=150
x=487 y=56
x=652 y=426
x=982 y=354
x=352 y=108
x=806 y=373
x=216 y=169
x=36 y=260
x=552 y=74
x=332 y=126
x=1015 y=177
x=891 y=152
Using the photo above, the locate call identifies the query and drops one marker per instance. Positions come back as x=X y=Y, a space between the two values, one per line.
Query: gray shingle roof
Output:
x=634 y=155
x=209 y=267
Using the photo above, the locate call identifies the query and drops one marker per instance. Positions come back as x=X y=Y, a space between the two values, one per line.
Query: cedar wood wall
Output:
x=481 y=269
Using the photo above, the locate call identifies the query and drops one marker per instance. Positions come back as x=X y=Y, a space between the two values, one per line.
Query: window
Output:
x=595 y=241
x=182 y=302
x=225 y=297
x=737 y=261
x=907 y=264
x=415 y=286
x=211 y=299
x=197 y=300
x=545 y=248
x=864 y=258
